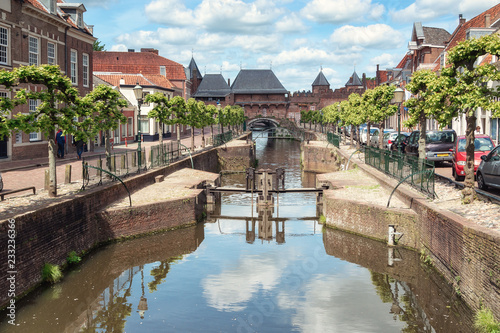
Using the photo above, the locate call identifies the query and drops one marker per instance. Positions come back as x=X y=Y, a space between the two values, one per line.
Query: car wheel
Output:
x=456 y=176
x=480 y=182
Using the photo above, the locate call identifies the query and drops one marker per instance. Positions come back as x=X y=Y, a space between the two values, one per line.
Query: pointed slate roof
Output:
x=354 y=80
x=320 y=80
x=213 y=85
x=192 y=66
x=257 y=81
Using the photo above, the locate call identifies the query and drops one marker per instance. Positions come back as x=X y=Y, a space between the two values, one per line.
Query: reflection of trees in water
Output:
x=114 y=308
x=159 y=273
x=404 y=307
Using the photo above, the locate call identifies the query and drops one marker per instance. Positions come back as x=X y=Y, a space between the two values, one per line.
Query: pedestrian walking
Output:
x=79 y=144
x=60 y=140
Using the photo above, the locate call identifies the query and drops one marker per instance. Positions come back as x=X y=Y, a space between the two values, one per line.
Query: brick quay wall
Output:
x=78 y=223
x=467 y=255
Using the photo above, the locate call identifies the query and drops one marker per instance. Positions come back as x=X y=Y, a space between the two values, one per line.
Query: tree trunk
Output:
x=423 y=135
x=468 y=192
x=52 y=165
x=192 y=138
x=381 y=135
x=352 y=136
x=203 y=137
x=107 y=147
x=178 y=130
x=160 y=133
x=368 y=128
x=358 y=143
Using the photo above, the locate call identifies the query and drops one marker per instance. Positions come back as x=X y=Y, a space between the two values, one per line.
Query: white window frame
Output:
x=130 y=126
x=33 y=105
x=34 y=51
x=85 y=71
x=74 y=67
x=163 y=70
x=4 y=45
x=52 y=6
x=51 y=53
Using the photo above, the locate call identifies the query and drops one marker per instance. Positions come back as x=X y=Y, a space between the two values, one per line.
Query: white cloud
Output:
x=338 y=11
x=158 y=38
x=386 y=60
x=119 y=47
x=424 y=10
x=290 y=24
x=170 y=12
x=304 y=55
x=378 y=36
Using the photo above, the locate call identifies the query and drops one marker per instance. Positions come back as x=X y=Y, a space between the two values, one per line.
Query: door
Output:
x=3 y=147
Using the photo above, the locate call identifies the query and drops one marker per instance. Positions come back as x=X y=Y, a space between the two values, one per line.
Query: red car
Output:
x=483 y=145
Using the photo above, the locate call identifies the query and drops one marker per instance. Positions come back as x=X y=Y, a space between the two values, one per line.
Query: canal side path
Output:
x=357 y=186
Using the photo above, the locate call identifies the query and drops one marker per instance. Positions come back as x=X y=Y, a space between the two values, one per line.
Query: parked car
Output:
x=375 y=137
x=488 y=172
x=390 y=137
x=482 y=146
x=437 y=145
x=364 y=131
x=401 y=140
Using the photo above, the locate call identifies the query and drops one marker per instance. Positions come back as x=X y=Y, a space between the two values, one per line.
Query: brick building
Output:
x=35 y=32
x=154 y=73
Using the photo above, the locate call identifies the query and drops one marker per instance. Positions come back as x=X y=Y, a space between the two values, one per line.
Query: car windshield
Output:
x=480 y=144
x=440 y=137
x=372 y=130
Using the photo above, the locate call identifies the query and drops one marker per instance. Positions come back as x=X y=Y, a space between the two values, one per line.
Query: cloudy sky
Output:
x=294 y=38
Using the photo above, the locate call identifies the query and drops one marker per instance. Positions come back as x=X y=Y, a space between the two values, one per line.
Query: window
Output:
x=129 y=126
x=4 y=46
x=74 y=77
x=124 y=130
x=52 y=4
x=51 y=53
x=163 y=71
x=33 y=51
x=33 y=105
x=85 y=64
x=79 y=20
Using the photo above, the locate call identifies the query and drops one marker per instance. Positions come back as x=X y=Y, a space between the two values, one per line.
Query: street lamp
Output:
x=138 y=96
x=399 y=95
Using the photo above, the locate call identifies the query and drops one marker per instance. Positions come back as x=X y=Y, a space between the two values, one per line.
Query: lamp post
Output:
x=399 y=95
x=138 y=96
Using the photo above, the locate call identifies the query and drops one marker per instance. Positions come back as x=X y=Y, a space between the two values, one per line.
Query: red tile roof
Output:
x=133 y=79
x=137 y=62
x=476 y=22
x=404 y=61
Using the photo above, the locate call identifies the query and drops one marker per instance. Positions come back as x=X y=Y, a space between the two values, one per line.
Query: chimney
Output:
x=131 y=50
x=377 y=80
x=151 y=50
x=229 y=82
x=461 y=19
x=487 y=20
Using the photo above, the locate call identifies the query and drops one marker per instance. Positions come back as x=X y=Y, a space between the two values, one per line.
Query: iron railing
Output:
x=222 y=138
x=334 y=139
x=420 y=172
x=164 y=154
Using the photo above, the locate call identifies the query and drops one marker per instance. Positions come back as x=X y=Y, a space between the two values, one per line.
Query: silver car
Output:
x=488 y=172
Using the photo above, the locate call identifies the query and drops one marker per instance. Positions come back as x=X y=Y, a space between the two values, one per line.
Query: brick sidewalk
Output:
x=19 y=174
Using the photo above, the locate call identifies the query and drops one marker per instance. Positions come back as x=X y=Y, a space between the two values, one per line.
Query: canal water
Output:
x=239 y=273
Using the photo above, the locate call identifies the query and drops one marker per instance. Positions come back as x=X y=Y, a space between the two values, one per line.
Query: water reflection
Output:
x=249 y=269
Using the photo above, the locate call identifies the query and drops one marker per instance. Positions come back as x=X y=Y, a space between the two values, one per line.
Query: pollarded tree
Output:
x=58 y=107
x=212 y=114
x=102 y=107
x=356 y=114
x=425 y=102
x=468 y=90
x=331 y=115
x=379 y=108
x=179 y=114
x=193 y=117
x=161 y=111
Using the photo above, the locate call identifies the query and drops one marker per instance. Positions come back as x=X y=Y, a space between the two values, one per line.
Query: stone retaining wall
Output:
x=467 y=255
x=73 y=223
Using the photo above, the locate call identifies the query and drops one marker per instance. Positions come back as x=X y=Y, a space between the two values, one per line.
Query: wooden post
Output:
x=99 y=165
x=134 y=159
x=123 y=162
x=67 y=174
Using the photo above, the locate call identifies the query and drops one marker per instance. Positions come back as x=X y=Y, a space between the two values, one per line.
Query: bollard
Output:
x=123 y=162
x=67 y=174
x=126 y=142
x=99 y=165
x=134 y=159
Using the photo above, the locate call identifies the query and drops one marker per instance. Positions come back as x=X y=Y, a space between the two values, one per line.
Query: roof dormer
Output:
x=75 y=10
x=50 y=5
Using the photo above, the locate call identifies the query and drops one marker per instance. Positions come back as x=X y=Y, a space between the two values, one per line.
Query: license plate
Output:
x=441 y=155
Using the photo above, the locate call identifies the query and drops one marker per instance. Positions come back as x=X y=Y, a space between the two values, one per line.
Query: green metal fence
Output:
x=222 y=138
x=400 y=166
x=164 y=154
x=334 y=139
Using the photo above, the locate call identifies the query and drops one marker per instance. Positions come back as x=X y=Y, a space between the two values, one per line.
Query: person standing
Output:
x=79 y=148
x=60 y=140
x=478 y=130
